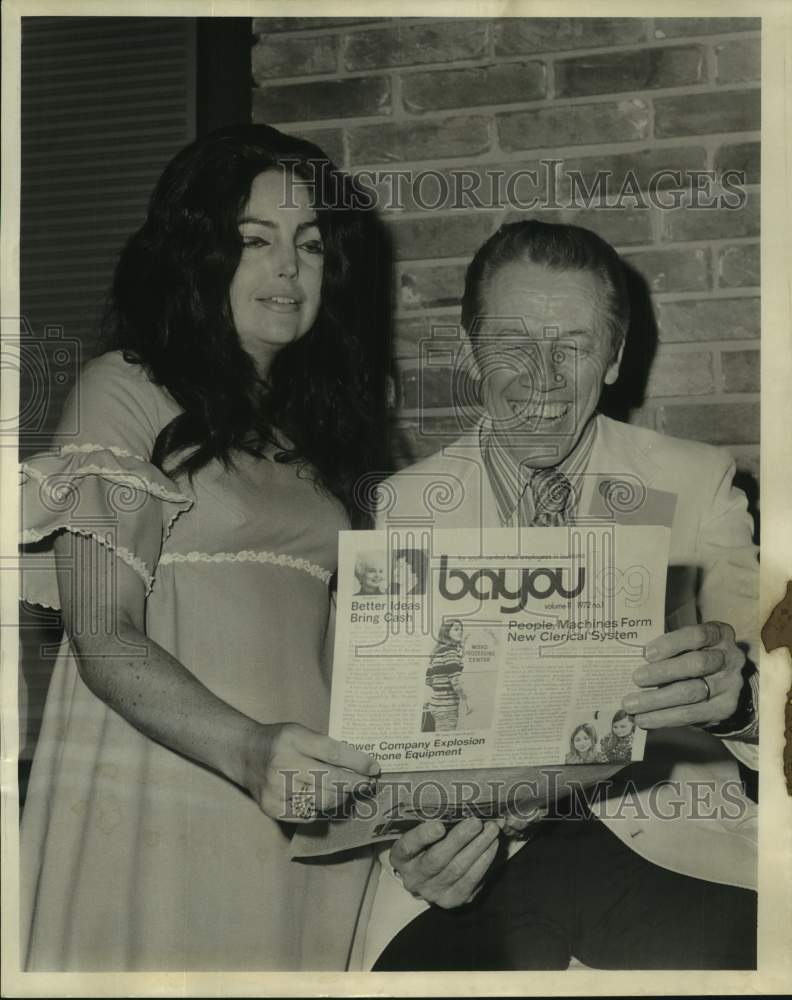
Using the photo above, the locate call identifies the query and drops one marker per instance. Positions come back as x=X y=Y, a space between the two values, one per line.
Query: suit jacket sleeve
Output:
x=729 y=584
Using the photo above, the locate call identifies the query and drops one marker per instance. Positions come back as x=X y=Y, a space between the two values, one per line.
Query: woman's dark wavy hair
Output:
x=323 y=402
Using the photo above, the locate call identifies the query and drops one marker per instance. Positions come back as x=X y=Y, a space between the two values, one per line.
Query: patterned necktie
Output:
x=550 y=495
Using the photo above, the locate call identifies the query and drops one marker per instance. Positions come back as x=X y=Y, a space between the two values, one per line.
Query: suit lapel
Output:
x=620 y=482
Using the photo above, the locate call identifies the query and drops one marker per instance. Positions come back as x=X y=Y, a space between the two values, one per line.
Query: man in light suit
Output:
x=646 y=878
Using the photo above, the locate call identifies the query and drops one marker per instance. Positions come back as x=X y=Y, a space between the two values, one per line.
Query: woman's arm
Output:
x=456 y=683
x=158 y=695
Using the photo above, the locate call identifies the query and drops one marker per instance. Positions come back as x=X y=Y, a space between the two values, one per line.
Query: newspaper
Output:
x=488 y=680
x=470 y=659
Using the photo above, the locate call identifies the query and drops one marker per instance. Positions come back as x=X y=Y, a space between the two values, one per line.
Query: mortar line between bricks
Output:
x=686 y=42
x=494 y=57
x=490 y=37
x=548 y=56
x=485 y=61
x=717 y=372
x=398 y=110
x=466 y=110
x=342 y=73
x=453 y=114
x=709 y=399
x=375 y=24
x=499 y=156
x=386 y=23
x=714 y=295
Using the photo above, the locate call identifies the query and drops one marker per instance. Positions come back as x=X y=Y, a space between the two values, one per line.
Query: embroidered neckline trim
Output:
x=247 y=556
x=86 y=449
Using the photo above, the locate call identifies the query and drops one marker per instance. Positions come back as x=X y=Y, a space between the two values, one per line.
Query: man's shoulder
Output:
x=458 y=457
x=672 y=455
x=440 y=481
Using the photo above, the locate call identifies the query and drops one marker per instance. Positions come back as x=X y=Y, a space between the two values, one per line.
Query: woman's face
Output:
x=622 y=727
x=374 y=579
x=276 y=290
x=582 y=743
x=455 y=632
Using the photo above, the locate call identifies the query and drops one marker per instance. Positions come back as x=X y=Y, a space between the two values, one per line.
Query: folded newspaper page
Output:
x=493 y=663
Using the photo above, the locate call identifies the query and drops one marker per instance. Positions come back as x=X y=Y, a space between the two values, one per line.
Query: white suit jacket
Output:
x=713 y=575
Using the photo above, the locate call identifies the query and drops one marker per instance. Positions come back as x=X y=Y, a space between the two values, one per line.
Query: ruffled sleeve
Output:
x=100 y=483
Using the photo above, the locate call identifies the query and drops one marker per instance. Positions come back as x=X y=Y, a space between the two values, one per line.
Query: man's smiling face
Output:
x=543 y=350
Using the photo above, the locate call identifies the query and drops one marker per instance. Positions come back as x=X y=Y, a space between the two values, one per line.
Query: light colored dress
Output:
x=134 y=857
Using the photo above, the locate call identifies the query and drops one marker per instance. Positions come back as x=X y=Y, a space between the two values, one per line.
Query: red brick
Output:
x=645 y=169
x=329 y=140
x=738 y=266
x=621 y=227
x=271 y=25
x=641 y=69
x=502 y=83
x=298 y=56
x=718 y=423
x=739 y=61
x=465 y=135
x=712 y=224
x=430 y=287
x=681 y=373
x=741 y=371
x=441 y=236
x=673 y=270
x=742 y=156
x=413 y=44
x=674 y=27
x=518 y=35
x=708 y=319
x=359 y=95
x=574 y=125
x=698 y=114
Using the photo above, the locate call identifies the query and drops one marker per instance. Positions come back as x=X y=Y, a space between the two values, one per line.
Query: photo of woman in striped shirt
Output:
x=444 y=677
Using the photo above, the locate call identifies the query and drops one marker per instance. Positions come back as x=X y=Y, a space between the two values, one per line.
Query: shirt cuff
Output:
x=743 y=724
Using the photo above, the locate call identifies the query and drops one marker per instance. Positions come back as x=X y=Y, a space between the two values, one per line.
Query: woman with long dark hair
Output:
x=195 y=519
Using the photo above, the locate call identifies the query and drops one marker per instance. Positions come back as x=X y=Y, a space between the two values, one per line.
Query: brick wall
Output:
x=628 y=95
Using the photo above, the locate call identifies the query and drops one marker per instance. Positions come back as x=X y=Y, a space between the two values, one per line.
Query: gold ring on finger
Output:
x=708 y=689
